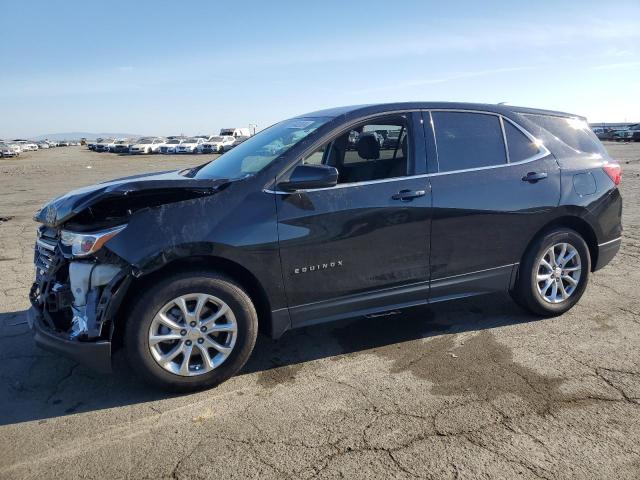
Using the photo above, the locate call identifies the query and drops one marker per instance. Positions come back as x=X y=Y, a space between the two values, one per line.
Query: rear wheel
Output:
x=554 y=273
x=191 y=331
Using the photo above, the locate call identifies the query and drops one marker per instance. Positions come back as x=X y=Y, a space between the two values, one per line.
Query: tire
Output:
x=143 y=321
x=527 y=291
x=220 y=149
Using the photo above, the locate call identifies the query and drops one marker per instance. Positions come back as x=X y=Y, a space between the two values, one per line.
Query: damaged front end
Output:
x=74 y=295
x=80 y=285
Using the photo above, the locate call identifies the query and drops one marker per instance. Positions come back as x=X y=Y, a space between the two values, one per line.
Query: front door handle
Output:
x=406 y=195
x=533 y=177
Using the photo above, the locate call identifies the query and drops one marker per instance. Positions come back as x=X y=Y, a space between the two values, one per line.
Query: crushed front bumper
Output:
x=95 y=355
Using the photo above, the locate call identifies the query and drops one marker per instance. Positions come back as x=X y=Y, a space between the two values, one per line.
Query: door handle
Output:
x=406 y=195
x=533 y=177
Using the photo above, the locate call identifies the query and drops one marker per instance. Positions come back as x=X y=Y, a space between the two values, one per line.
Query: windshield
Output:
x=190 y=140
x=257 y=152
x=144 y=141
x=174 y=142
x=216 y=139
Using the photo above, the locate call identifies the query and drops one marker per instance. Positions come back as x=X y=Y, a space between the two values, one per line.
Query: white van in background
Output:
x=235 y=132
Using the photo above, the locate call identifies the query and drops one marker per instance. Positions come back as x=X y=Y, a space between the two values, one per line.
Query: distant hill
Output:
x=87 y=135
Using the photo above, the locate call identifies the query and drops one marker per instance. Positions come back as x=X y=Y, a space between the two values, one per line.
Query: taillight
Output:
x=614 y=171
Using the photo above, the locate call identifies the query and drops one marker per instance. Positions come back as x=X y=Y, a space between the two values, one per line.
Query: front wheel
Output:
x=553 y=273
x=191 y=331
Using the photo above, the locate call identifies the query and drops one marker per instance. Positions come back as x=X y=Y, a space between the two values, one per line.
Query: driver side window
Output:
x=375 y=150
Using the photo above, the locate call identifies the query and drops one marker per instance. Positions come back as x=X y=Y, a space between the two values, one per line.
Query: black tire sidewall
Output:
x=155 y=297
x=527 y=288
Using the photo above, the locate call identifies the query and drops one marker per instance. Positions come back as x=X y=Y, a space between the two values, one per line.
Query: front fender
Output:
x=239 y=228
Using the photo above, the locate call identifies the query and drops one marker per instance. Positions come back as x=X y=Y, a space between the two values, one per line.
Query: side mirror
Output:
x=310 y=176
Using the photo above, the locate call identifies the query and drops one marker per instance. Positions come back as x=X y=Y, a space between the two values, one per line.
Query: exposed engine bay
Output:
x=72 y=294
x=77 y=281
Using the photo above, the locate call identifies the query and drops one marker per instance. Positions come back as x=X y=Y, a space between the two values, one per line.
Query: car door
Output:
x=362 y=246
x=494 y=186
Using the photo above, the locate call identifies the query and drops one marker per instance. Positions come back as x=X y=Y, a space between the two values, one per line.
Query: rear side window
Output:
x=468 y=140
x=573 y=132
x=519 y=145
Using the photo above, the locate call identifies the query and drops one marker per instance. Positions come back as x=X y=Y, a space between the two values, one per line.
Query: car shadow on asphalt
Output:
x=36 y=385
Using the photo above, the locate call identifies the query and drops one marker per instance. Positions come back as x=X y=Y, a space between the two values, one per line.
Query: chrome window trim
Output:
x=433 y=135
x=346 y=185
x=343 y=128
x=490 y=167
x=504 y=139
x=543 y=151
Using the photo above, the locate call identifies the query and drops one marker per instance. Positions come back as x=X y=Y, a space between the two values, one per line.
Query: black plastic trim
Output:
x=95 y=355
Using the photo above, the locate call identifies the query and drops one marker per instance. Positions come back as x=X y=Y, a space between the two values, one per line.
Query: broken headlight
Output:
x=84 y=244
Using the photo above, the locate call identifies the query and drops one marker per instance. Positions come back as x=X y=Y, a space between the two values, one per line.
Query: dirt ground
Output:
x=470 y=389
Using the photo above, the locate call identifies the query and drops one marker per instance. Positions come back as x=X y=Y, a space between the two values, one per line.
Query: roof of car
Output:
x=389 y=107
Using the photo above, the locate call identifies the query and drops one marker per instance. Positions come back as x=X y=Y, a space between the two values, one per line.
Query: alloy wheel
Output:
x=192 y=334
x=558 y=273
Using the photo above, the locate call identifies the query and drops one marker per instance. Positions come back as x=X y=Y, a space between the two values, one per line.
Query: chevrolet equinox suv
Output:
x=313 y=220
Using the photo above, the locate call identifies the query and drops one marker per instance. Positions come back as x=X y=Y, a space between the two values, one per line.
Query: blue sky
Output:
x=193 y=67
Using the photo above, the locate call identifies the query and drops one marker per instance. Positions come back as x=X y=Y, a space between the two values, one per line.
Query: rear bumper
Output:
x=95 y=355
x=606 y=252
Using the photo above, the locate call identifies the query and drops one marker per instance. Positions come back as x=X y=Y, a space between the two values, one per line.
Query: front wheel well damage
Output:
x=243 y=277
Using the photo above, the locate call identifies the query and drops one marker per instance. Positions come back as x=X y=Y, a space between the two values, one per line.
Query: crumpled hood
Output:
x=63 y=208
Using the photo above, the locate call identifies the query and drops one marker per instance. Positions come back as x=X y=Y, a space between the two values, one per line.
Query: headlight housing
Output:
x=85 y=244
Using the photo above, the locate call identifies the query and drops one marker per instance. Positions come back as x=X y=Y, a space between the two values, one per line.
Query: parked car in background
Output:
x=122 y=145
x=190 y=145
x=147 y=145
x=63 y=143
x=629 y=134
x=15 y=147
x=52 y=143
x=217 y=144
x=42 y=145
x=236 y=141
x=26 y=145
x=391 y=139
x=169 y=146
x=6 y=151
x=103 y=145
x=92 y=145
x=603 y=133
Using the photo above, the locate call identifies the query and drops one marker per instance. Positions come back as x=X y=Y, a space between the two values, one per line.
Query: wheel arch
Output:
x=233 y=270
x=575 y=223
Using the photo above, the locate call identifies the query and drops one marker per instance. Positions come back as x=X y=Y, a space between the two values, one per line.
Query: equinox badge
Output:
x=320 y=266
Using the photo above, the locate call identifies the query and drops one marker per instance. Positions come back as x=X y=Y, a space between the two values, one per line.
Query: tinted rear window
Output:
x=519 y=145
x=573 y=132
x=468 y=140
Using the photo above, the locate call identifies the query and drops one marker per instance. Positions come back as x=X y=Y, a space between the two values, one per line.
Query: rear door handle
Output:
x=407 y=195
x=533 y=177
